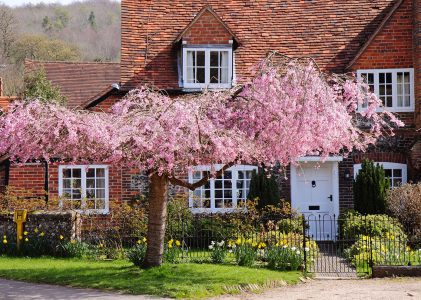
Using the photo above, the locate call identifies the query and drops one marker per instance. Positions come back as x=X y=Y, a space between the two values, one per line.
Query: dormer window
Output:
x=207 y=67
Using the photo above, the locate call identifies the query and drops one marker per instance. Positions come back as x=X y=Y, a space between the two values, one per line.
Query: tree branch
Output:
x=192 y=186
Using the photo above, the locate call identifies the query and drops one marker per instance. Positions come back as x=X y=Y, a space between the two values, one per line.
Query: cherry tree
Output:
x=289 y=109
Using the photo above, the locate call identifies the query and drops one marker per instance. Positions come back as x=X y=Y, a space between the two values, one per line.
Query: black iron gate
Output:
x=330 y=257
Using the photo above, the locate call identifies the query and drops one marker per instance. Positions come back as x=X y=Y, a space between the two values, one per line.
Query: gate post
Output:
x=304 y=242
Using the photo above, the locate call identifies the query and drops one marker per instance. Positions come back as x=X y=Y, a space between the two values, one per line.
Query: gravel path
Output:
x=368 y=289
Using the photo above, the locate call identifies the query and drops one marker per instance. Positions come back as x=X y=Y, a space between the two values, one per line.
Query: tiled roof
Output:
x=78 y=81
x=330 y=31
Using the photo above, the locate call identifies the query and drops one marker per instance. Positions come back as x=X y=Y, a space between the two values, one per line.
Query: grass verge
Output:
x=176 y=281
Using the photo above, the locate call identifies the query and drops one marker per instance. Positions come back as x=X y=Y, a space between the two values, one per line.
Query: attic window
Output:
x=207 y=68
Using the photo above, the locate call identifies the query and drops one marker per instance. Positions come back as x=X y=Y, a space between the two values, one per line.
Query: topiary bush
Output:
x=370 y=189
x=264 y=187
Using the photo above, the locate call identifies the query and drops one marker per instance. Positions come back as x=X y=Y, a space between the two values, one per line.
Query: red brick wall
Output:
x=28 y=177
x=392 y=46
x=2 y=177
x=207 y=30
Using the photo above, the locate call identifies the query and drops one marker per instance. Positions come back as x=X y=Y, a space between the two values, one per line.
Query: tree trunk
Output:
x=158 y=190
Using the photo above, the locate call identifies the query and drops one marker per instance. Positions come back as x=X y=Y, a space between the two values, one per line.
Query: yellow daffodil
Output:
x=4 y=237
x=36 y=230
x=61 y=237
x=42 y=234
x=170 y=243
x=144 y=240
x=26 y=239
x=177 y=243
x=72 y=242
x=261 y=245
x=138 y=242
x=4 y=241
x=25 y=233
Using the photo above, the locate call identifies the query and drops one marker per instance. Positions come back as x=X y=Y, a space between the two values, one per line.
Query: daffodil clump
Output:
x=172 y=251
x=137 y=253
x=218 y=251
x=245 y=251
x=387 y=249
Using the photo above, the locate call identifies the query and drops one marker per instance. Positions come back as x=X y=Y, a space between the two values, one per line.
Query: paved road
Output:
x=373 y=289
x=18 y=290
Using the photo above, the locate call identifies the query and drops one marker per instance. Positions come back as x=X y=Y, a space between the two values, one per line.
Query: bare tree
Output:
x=7 y=32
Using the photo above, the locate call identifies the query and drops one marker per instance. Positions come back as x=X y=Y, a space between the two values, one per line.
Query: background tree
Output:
x=7 y=33
x=42 y=48
x=264 y=187
x=273 y=119
x=37 y=86
x=370 y=188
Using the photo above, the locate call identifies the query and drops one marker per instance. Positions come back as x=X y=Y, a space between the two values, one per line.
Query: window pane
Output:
x=218 y=194
x=388 y=172
x=214 y=59
x=228 y=193
x=382 y=78
x=228 y=203
x=397 y=182
x=249 y=174
x=224 y=59
x=224 y=75
x=100 y=172
x=67 y=173
x=100 y=204
x=200 y=76
x=76 y=183
x=219 y=203
x=100 y=193
x=397 y=173
x=190 y=75
x=227 y=175
x=90 y=183
x=200 y=56
x=90 y=204
x=76 y=194
x=67 y=183
x=77 y=173
x=90 y=173
x=389 y=77
x=214 y=77
x=227 y=184
x=67 y=193
x=90 y=193
x=100 y=183
x=190 y=58
x=218 y=184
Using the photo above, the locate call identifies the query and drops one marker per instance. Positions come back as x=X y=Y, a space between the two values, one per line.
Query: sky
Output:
x=21 y=2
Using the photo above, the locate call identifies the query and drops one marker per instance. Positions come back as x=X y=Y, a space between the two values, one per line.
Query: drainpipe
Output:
x=46 y=177
x=416 y=10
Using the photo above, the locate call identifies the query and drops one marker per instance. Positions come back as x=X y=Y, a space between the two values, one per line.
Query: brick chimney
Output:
x=417 y=59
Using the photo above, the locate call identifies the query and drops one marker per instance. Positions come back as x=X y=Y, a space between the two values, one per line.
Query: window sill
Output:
x=217 y=210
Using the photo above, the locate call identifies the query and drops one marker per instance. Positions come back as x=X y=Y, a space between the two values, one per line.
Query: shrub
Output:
x=352 y=225
x=284 y=258
x=404 y=203
x=264 y=187
x=137 y=254
x=370 y=189
x=218 y=252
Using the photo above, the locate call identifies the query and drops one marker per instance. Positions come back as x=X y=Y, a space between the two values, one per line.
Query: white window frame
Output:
x=234 y=178
x=394 y=72
x=84 y=169
x=207 y=83
x=387 y=165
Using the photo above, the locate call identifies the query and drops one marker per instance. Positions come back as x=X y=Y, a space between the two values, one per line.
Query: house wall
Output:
x=207 y=30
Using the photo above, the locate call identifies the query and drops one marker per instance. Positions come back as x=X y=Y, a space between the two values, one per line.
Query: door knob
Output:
x=330 y=198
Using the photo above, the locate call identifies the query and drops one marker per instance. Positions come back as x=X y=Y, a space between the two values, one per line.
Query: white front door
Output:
x=314 y=193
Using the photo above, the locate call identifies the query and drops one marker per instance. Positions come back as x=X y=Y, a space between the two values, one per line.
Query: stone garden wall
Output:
x=53 y=224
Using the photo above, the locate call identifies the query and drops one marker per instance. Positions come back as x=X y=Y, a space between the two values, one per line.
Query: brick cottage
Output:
x=185 y=46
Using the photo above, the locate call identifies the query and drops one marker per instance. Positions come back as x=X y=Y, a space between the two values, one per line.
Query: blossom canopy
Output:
x=285 y=112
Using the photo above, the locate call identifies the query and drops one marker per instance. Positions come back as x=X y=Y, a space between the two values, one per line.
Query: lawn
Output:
x=177 y=281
